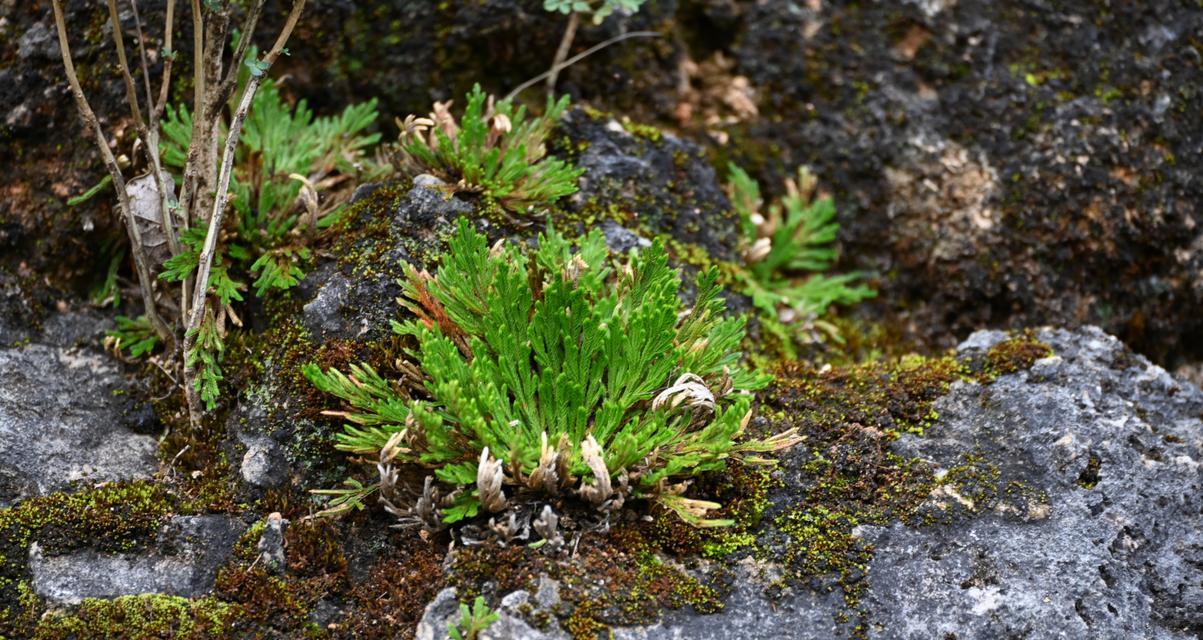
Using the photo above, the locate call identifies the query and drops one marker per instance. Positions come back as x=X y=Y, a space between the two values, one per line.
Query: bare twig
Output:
x=85 y=110
x=562 y=52
x=168 y=61
x=226 y=87
x=131 y=93
x=142 y=52
x=577 y=58
x=205 y=261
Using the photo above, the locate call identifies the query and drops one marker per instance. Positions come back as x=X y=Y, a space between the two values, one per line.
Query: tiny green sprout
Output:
x=472 y=621
x=257 y=67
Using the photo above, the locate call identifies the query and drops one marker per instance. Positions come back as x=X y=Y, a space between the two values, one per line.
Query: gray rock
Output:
x=264 y=464
x=322 y=314
x=271 y=544
x=38 y=42
x=188 y=552
x=512 y=614
x=343 y=303
x=74 y=329
x=662 y=181
x=621 y=240
x=1115 y=443
x=65 y=416
x=1090 y=524
x=438 y=616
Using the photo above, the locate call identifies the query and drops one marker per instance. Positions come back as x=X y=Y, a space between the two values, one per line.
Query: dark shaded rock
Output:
x=341 y=52
x=188 y=552
x=1007 y=164
x=65 y=416
x=652 y=183
x=356 y=301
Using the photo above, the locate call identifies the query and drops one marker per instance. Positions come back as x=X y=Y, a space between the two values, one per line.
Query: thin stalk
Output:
x=557 y=63
x=205 y=262
x=145 y=284
x=577 y=58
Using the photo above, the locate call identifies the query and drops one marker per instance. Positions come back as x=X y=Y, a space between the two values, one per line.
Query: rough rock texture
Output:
x=342 y=51
x=345 y=302
x=650 y=181
x=190 y=550
x=1005 y=163
x=1085 y=520
x=1115 y=445
x=999 y=163
x=66 y=416
x=512 y=615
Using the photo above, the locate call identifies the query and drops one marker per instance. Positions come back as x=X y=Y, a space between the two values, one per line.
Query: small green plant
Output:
x=563 y=373
x=284 y=158
x=600 y=10
x=787 y=247
x=472 y=621
x=135 y=336
x=493 y=149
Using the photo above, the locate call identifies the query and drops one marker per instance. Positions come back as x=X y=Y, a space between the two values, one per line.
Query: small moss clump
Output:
x=1017 y=353
x=143 y=617
x=112 y=518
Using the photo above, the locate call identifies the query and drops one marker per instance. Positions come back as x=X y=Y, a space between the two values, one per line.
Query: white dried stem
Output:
x=489 y=478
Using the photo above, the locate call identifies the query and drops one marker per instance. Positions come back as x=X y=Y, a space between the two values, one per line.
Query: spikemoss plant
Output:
x=559 y=374
x=788 y=246
x=493 y=149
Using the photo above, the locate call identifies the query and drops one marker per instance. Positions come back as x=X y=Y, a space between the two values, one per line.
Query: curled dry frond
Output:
x=489 y=477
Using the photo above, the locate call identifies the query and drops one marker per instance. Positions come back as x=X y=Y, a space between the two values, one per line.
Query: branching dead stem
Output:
x=206 y=183
x=205 y=263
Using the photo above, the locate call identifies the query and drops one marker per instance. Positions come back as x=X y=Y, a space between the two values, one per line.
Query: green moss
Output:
x=849 y=414
x=645 y=131
x=140 y=617
x=112 y=518
x=1017 y=353
x=821 y=550
x=1089 y=478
